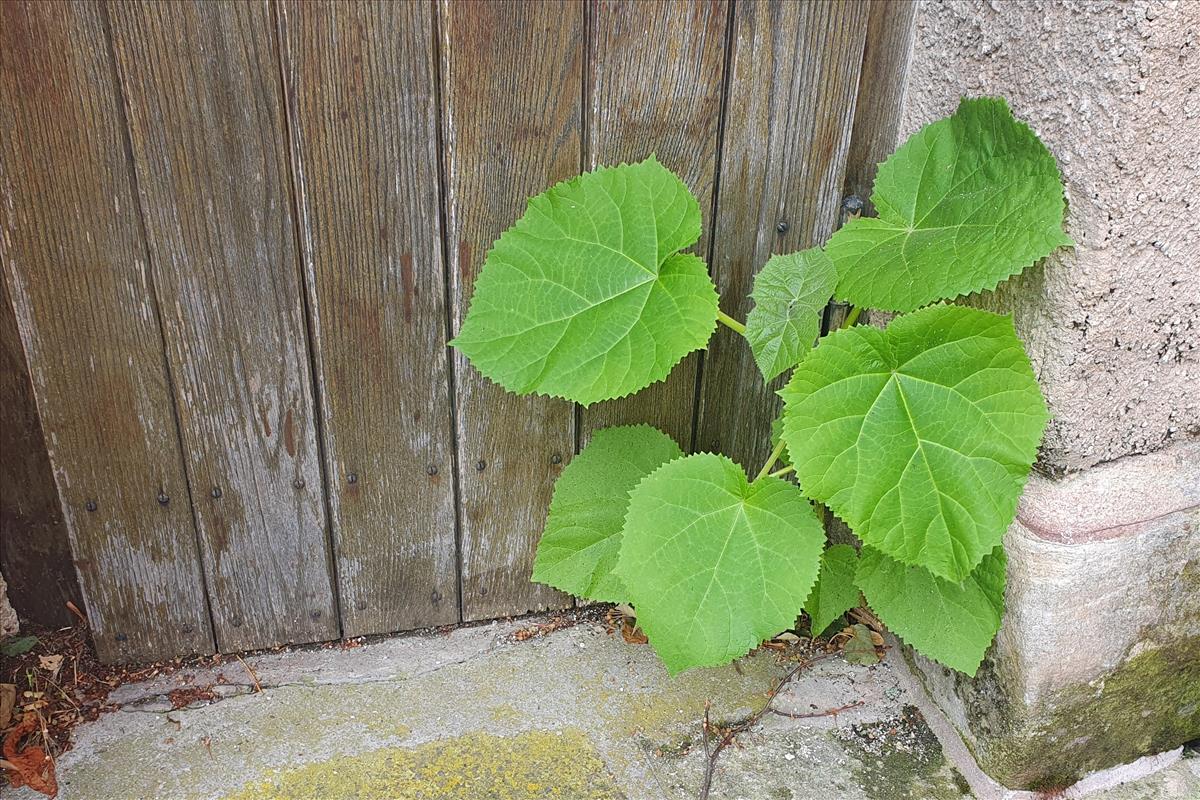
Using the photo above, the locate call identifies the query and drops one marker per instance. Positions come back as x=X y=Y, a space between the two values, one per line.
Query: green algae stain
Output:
x=537 y=765
x=901 y=759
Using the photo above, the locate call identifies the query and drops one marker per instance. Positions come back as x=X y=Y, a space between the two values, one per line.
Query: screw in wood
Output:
x=431 y=469
x=163 y=498
x=315 y=614
x=556 y=459
x=352 y=477
x=782 y=226
x=90 y=505
x=480 y=465
x=216 y=493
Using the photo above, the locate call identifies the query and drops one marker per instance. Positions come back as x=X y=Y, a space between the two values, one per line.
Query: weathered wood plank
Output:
x=877 y=110
x=793 y=78
x=363 y=105
x=656 y=73
x=201 y=84
x=35 y=553
x=511 y=110
x=76 y=266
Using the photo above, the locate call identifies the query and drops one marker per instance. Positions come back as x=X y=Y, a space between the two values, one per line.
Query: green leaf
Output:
x=921 y=436
x=790 y=292
x=587 y=297
x=17 y=645
x=859 y=648
x=715 y=564
x=579 y=547
x=776 y=435
x=835 y=592
x=948 y=622
x=963 y=204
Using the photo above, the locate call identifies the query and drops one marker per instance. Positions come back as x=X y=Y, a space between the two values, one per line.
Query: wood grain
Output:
x=656 y=73
x=793 y=79
x=363 y=100
x=886 y=53
x=35 y=553
x=76 y=266
x=202 y=88
x=511 y=109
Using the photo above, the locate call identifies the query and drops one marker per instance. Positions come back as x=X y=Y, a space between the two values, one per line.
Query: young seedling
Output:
x=919 y=436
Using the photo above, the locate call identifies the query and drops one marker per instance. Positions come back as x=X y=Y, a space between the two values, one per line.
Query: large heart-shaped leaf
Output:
x=963 y=204
x=579 y=546
x=587 y=297
x=921 y=436
x=949 y=622
x=714 y=564
x=835 y=592
x=790 y=292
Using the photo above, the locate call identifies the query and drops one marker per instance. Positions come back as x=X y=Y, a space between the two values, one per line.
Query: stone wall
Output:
x=1098 y=659
x=1113 y=88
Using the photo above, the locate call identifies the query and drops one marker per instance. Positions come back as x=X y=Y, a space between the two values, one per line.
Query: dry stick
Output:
x=829 y=712
x=253 y=677
x=711 y=754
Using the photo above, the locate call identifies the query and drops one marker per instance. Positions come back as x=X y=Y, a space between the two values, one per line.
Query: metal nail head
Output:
x=431 y=469
x=163 y=498
x=216 y=493
x=782 y=227
x=298 y=483
x=853 y=204
x=556 y=459
x=480 y=465
x=352 y=477
x=90 y=505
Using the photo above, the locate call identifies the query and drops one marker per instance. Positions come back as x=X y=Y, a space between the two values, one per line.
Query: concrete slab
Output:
x=577 y=713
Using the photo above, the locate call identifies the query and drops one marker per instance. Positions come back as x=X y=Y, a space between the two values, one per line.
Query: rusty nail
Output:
x=480 y=465
x=432 y=469
x=163 y=498
x=216 y=493
x=782 y=226
x=556 y=459
x=298 y=483
x=90 y=505
x=352 y=477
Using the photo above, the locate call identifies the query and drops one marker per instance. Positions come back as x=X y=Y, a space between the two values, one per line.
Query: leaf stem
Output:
x=730 y=322
x=852 y=317
x=779 y=473
x=771 y=459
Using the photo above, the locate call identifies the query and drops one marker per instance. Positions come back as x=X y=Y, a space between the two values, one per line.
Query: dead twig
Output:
x=829 y=712
x=727 y=737
x=253 y=677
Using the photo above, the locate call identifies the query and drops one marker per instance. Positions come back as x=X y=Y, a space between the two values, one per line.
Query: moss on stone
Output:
x=1150 y=703
x=536 y=765
x=901 y=759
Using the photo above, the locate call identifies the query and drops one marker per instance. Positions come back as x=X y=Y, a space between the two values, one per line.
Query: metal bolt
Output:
x=352 y=477
x=556 y=459
x=163 y=498
x=782 y=227
x=216 y=493
x=480 y=465
x=431 y=469
x=298 y=483
x=90 y=505
x=853 y=204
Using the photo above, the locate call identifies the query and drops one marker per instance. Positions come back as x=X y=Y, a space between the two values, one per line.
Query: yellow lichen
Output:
x=531 y=766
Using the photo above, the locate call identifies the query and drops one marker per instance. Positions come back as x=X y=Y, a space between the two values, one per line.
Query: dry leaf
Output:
x=30 y=767
x=631 y=633
x=51 y=664
x=8 y=699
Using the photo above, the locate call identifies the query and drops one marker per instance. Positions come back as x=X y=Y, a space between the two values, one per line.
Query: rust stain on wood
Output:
x=289 y=434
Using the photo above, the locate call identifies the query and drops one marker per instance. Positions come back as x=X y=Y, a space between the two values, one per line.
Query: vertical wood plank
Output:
x=877 y=110
x=35 y=554
x=76 y=266
x=363 y=101
x=793 y=79
x=202 y=89
x=656 y=73
x=511 y=109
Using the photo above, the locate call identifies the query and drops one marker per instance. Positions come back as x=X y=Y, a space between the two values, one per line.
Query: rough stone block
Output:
x=1097 y=662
